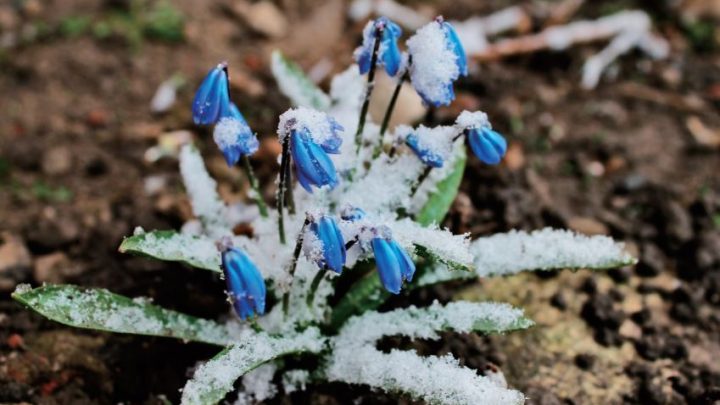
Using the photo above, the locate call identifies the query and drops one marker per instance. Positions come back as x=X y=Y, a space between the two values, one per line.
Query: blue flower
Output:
x=352 y=214
x=488 y=145
x=246 y=287
x=333 y=141
x=437 y=60
x=388 y=53
x=428 y=156
x=393 y=263
x=312 y=163
x=234 y=137
x=212 y=99
x=333 y=245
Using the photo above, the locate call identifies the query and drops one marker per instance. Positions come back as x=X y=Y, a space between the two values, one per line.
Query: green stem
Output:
x=293 y=264
x=388 y=115
x=368 y=92
x=289 y=189
x=255 y=185
x=314 y=286
x=284 y=162
x=420 y=180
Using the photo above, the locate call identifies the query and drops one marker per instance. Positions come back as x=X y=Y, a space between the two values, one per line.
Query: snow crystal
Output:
x=295 y=380
x=516 y=251
x=317 y=123
x=436 y=139
x=470 y=120
x=434 y=379
x=439 y=242
x=258 y=385
x=227 y=131
x=434 y=65
x=219 y=374
x=202 y=190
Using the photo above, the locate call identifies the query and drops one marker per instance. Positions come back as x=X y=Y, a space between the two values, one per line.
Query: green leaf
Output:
x=195 y=251
x=438 y=203
x=436 y=273
x=214 y=379
x=293 y=83
x=366 y=294
x=102 y=310
x=427 y=254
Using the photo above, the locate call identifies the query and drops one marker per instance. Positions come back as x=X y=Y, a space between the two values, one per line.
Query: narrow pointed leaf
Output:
x=202 y=191
x=293 y=83
x=102 y=310
x=214 y=379
x=195 y=251
x=439 y=202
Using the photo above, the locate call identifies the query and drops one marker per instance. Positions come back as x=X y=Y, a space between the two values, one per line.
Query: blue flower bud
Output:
x=388 y=53
x=245 y=285
x=488 y=145
x=333 y=245
x=393 y=263
x=428 y=156
x=212 y=99
x=454 y=44
x=312 y=163
x=234 y=137
x=352 y=214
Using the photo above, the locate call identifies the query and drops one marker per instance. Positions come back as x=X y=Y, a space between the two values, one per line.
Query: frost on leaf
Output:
x=214 y=379
x=202 y=190
x=295 y=85
x=102 y=310
x=439 y=380
x=438 y=244
x=546 y=249
x=196 y=251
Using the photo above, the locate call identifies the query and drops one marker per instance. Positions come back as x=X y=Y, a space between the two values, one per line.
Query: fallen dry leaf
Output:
x=702 y=134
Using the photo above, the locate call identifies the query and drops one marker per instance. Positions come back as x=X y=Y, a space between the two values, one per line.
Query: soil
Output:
x=622 y=160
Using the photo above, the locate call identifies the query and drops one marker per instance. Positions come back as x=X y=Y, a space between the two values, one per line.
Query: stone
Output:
x=15 y=261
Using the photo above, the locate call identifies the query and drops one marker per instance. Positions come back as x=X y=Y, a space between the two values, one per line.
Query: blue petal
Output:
x=231 y=154
x=391 y=55
x=311 y=160
x=407 y=267
x=353 y=214
x=332 y=143
x=244 y=282
x=488 y=145
x=363 y=60
x=333 y=243
x=427 y=156
x=212 y=98
x=304 y=182
x=456 y=47
x=388 y=265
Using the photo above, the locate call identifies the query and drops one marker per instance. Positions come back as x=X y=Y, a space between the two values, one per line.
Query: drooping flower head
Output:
x=488 y=145
x=234 y=137
x=327 y=246
x=437 y=60
x=212 y=99
x=312 y=135
x=388 y=33
x=245 y=284
x=393 y=262
x=431 y=145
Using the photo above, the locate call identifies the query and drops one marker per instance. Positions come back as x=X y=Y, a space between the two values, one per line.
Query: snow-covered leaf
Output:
x=439 y=202
x=195 y=251
x=102 y=310
x=437 y=380
x=293 y=83
x=202 y=191
x=435 y=244
x=214 y=379
x=546 y=249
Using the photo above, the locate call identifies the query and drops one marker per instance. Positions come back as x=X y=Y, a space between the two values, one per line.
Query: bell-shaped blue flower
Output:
x=388 y=33
x=333 y=245
x=393 y=263
x=488 y=145
x=234 y=137
x=212 y=99
x=428 y=155
x=312 y=164
x=352 y=214
x=437 y=60
x=245 y=284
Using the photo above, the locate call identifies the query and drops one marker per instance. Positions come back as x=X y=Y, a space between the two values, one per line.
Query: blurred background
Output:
x=96 y=100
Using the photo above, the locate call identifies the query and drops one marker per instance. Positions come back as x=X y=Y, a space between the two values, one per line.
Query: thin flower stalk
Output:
x=293 y=264
x=368 y=91
x=255 y=185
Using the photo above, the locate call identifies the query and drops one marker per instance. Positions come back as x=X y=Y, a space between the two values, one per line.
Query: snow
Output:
x=258 y=385
x=440 y=242
x=472 y=120
x=202 y=191
x=215 y=378
x=434 y=379
x=295 y=86
x=229 y=131
x=516 y=251
x=195 y=250
x=295 y=380
x=317 y=123
x=433 y=63
x=436 y=139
